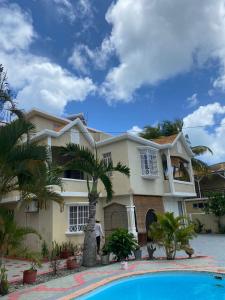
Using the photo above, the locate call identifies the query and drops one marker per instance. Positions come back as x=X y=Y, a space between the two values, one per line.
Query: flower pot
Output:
x=137 y=254
x=105 y=259
x=29 y=276
x=64 y=254
x=124 y=265
x=71 y=264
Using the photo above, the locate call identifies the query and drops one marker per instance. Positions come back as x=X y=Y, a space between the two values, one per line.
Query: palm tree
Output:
x=170 y=233
x=21 y=161
x=96 y=170
x=40 y=186
x=7 y=105
x=11 y=235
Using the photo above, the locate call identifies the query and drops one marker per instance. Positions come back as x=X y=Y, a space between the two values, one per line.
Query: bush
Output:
x=170 y=233
x=121 y=243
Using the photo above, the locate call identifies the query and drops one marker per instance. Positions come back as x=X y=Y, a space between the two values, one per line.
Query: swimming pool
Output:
x=162 y=286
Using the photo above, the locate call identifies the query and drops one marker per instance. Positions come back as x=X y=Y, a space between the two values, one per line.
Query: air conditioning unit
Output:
x=31 y=207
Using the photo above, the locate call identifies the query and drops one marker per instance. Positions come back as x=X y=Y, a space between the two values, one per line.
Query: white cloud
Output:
x=206 y=126
x=82 y=56
x=38 y=81
x=156 y=40
x=72 y=10
x=16 y=28
x=135 y=130
x=192 y=100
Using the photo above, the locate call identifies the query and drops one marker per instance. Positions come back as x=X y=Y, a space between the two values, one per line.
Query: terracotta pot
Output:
x=64 y=254
x=29 y=276
x=71 y=264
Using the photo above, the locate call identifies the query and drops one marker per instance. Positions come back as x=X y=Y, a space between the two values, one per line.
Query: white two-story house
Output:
x=161 y=177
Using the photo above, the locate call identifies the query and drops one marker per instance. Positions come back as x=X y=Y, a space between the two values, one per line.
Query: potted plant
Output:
x=64 y=251
x=137 y=252
x=30 y=276
x=105 y=255
x=44 y=251
x=71 y=263
x=4 y=284
x=121 y=243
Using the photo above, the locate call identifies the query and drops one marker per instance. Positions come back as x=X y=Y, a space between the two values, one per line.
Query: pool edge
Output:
x=94 y=286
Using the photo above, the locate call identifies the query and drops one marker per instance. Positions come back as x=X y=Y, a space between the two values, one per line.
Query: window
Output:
x=73 y=174
x=195 y=205
x=75 y=136
x=107 y=157
x=149 y=162
x=78 y=217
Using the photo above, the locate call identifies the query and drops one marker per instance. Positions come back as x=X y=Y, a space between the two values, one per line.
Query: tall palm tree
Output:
x=96 y=170
x=8 y=107
x=21 y=161
x=11 y=235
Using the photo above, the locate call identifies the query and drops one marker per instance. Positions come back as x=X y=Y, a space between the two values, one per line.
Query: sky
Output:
x=123 y=63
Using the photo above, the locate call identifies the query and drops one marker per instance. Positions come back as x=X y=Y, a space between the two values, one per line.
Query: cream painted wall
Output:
x=42 y=123
x=184 y=187
x=140 y=185
x=40 y=221
x=171 y=205
x=60 y=221
x=119 y=152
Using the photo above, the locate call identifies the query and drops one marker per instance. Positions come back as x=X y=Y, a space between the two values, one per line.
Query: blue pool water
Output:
x=162 y=286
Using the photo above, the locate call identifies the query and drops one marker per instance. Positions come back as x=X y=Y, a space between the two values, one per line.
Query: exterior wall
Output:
x=171 y=205
x=190 y=209
x=115 y=216
x=142 y=205
x=74 y=185
x=42 y=123
x=184 y=187
x=119 y=152
x=60 y=221
x=140 y=185
x=40 y=221
x=65 y=138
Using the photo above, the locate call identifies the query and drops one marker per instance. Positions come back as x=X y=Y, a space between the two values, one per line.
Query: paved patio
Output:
x=16 y=267
x=74 y=285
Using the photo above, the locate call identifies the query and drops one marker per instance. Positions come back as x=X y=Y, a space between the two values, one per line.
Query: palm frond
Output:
x=108 y=185
x=199 y=150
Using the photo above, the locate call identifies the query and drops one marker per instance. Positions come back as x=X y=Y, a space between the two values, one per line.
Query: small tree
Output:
x=216 y=206
x=11 y=235
x=170 y=233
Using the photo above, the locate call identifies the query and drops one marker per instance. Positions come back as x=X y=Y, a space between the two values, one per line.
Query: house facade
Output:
x=161 y=178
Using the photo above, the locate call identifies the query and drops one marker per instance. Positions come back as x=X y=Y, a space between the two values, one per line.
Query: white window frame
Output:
x=78 y=223
x=149 y=163
x=107 y=157
x=75 y=136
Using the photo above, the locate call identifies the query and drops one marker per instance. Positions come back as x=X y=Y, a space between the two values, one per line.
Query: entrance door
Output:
x=150 y=218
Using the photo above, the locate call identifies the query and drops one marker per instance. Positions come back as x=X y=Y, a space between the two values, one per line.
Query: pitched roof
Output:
x=165 y=139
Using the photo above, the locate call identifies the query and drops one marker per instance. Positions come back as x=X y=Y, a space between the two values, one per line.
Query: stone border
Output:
x=94 y=286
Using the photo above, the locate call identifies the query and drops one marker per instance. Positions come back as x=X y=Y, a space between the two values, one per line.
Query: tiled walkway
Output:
x=74 y=285
x=16 y=267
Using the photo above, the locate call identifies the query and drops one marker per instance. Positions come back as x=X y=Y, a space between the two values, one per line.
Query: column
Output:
x=131 y=220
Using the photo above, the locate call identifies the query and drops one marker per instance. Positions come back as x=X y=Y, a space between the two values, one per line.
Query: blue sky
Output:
x=124 y=64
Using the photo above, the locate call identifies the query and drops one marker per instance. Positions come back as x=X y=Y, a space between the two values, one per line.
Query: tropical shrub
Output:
x=121 y=243
x=198 y=226
x=44 y=250
x=12 y=235
x=170 y=233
